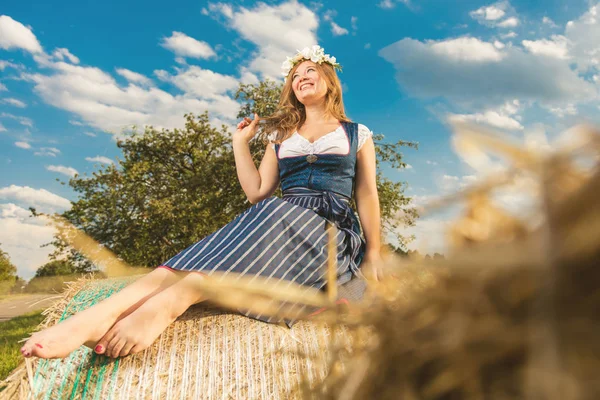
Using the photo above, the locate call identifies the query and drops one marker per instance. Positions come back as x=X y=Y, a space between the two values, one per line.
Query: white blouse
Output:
x=335 y=142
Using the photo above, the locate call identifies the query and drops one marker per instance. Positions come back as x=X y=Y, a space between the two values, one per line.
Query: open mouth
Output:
x=305 y=85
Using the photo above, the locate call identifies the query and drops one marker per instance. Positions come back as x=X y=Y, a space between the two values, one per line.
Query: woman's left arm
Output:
x=367 y=202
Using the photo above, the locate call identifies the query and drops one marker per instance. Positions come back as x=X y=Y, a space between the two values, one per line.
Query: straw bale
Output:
x=207 y=353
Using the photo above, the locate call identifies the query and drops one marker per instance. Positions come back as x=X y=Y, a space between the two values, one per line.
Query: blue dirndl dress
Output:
x=286 y=239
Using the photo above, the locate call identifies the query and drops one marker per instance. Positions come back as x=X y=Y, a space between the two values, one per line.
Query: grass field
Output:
x=11 y=332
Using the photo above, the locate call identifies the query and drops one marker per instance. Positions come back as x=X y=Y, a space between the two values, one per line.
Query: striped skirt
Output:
x=281 y=239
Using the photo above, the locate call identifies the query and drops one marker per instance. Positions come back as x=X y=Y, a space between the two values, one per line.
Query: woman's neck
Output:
x=316 y=114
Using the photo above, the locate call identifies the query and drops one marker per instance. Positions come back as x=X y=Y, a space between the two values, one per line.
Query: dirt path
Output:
x=24 y=303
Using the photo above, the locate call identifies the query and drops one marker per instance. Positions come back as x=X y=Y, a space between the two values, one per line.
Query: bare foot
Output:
x=137 y=331
x=60 y=340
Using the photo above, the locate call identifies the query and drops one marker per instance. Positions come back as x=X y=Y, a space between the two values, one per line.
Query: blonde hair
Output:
x=291 y=114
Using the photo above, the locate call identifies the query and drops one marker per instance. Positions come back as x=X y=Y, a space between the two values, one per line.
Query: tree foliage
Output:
x=8 y=273
x=173 y=187
x=7 y=270
x=56 y=267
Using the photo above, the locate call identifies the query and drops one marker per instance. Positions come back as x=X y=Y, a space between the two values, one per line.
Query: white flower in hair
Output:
x=315 y=54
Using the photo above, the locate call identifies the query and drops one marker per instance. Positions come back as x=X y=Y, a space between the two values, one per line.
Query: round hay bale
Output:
x=207 y=353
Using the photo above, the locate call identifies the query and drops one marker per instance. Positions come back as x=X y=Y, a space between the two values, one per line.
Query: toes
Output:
x=126 y=350
x=26 y=351
x=102 y=344
x=136 y=349
x=115 y=346
x=32 y=347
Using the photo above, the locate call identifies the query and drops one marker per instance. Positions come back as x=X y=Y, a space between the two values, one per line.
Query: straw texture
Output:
x=207 y=353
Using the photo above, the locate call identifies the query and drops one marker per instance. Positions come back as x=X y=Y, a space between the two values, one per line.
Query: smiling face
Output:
x=308 y=84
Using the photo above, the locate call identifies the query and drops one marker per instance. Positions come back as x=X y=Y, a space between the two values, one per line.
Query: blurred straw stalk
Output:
x=511 y=312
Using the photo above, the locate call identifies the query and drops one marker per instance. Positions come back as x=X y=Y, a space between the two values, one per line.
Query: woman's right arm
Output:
x=258 y=184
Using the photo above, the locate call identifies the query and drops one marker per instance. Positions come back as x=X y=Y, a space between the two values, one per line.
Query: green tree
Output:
x=56 y=267
x=172 y=188
x=51 y=277
x=8 y=273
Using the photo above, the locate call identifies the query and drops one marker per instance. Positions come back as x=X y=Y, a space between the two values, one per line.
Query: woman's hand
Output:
x=246 y=129
x=371 y=266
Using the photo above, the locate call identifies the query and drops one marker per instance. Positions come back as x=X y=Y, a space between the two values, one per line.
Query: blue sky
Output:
x=75 y=75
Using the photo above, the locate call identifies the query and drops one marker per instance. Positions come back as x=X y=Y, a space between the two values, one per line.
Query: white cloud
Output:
x=90 y=134
x=489 y=13
x=203 y=83
x=429 y=162
x=14 y=102
x=63 y=53
x=95 y=97
x=61 y=169
x=492 y=118
x=76 y=123
x=248 y=77
x=2 y=128
x=40 y=199
x=100 y=159
x=7 y=64
x=492 y=14
x=508 y=23
x=353 y=23
x=22 y=120
x=548 y=21
x=452 y=183
x=22 y=237
x=278 y=31
x=185 y=46
x=47 y=151
x=23 y=145
x=14 y=35
x=338 y=30
x=561 y=112
x=509 y=35
x=221 y=8
x=466 y=49
x=3 y=88
x=387 y=4
x=583 y=35
x=134 y=77
x=556 y=47
x=430 y=235
x=475 y=71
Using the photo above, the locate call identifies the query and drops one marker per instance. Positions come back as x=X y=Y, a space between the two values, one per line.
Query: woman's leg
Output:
x=142 y=327
x=88 y=326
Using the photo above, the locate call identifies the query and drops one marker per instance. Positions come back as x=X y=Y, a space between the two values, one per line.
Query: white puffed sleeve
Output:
x=271 y=136
x=363 y=134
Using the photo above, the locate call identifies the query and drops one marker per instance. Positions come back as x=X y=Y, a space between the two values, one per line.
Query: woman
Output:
x=319 y=156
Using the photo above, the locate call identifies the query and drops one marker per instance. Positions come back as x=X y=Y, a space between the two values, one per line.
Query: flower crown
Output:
x=315 y=54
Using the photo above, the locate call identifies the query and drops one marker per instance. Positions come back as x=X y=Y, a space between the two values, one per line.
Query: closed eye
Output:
x=307 y=70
